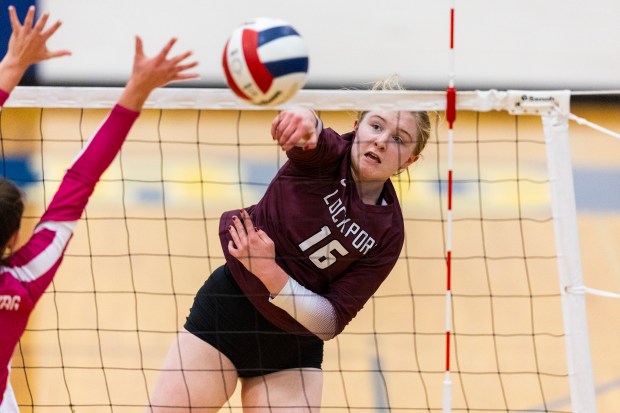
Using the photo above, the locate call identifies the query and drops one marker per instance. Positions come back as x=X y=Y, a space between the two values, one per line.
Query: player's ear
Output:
x=409 y=161
x=355 y=125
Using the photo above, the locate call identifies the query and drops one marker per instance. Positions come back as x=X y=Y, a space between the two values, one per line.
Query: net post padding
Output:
x=583 y=398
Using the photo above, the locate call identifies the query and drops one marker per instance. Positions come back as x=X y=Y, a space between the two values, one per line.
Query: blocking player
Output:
x=25 y=273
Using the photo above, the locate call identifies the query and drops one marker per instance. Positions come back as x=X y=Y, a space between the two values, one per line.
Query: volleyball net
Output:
x=518 y=336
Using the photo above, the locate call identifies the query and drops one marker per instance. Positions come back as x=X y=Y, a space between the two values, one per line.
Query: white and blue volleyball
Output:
x=265 y=61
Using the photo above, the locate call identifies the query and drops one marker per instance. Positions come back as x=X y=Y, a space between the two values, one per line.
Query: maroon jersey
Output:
x=326 y=238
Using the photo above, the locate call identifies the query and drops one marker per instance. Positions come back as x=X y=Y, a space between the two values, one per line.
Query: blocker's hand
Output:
x=27 y=45
x=28 y=42
x=251 y=246
x=296 y=127
x=150 y=73
x=161 y=69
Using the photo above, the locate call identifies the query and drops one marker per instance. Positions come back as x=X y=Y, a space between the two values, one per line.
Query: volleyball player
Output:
x=27 y=272
x=299 y=266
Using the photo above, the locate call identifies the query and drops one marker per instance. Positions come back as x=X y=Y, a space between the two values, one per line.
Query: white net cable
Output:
x=593 y=125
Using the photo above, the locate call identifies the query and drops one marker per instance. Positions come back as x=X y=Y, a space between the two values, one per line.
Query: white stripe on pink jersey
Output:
x=42 y=261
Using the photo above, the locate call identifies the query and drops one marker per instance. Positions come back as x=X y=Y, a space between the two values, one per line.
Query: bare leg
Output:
x=195 y=375
x=295 y=390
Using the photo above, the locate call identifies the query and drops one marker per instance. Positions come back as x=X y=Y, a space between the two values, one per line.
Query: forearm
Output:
x=11 y=73
x=81 y=178
x=134 y=96
x=101 y=150
x=273 y=277
x=311 y=310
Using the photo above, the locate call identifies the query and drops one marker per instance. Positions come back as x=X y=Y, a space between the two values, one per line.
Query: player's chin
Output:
x=373 y=173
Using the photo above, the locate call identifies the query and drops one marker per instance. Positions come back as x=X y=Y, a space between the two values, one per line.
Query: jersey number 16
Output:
x=323 y=256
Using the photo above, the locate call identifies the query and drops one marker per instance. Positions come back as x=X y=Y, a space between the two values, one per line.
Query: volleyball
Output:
x=265 y=61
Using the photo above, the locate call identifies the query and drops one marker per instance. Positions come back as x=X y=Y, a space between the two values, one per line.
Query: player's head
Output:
x=388 y=141
x=11 y=210
x=422 y=119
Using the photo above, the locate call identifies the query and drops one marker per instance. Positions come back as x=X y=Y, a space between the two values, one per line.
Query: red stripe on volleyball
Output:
x=229 y=79
x=260 y=74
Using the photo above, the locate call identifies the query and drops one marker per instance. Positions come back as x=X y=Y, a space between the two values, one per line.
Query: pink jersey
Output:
x=26 y=274
x=326 y=238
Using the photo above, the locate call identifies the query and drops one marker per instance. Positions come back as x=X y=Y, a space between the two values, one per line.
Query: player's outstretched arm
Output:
x=93 y=160
x=27 y=45
x=149 y=73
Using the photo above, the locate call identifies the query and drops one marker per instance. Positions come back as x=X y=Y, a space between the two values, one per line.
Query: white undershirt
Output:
x=310 y=309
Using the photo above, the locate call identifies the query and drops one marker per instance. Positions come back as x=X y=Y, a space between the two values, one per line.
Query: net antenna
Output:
x=553 y=107
x=450 y=118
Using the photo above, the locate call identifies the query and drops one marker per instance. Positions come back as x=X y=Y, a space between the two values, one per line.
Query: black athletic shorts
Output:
x=223 y=317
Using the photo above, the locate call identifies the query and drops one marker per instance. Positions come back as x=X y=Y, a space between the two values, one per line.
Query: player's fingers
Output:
x=232 y=249
x=58 y=53
x=299 y=133
x=187 y=66
x=164 y=52
x=40 y=24
x=286 y=144
x=179 y=58
x=262 y=235
x=239 y=227
x=49 y=32
x=186 y=76
x=291 y=135
x=275 y=127
x=139 y=49
x=247 y=221
x=234 y=235
x=280 y=128
x=15 y=25
x=29 y=17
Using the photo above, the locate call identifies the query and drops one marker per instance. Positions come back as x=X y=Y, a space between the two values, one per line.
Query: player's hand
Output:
x=28 y=42
x=160 y=70
x=152 y=72
x=149 y=73
x=296 y=127
x=251 y=246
